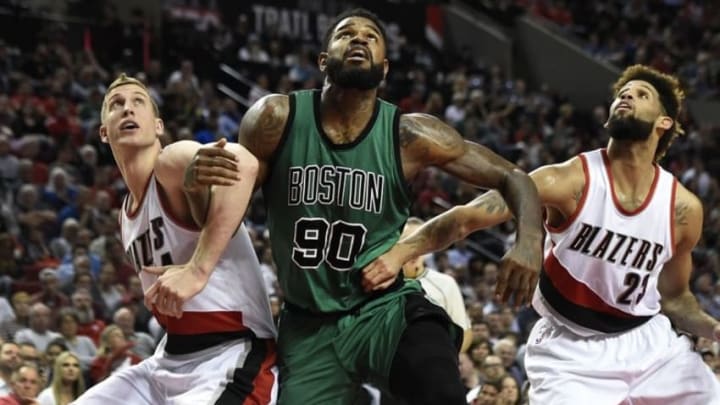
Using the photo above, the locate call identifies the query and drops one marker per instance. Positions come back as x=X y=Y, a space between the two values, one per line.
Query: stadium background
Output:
x=528 y=78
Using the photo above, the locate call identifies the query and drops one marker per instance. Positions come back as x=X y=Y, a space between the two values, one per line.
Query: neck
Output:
x=66 y=388
x=630 y=159
x=347 y=105
x=137 y=167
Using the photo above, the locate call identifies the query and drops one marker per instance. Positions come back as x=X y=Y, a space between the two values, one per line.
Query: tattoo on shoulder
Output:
x=578 y=195
x=682 y=210
x=437 y=135
x=409 y=130
x=267 y=126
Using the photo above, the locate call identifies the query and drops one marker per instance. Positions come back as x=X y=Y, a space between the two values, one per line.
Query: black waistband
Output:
x=184 y=344
x=583 y=316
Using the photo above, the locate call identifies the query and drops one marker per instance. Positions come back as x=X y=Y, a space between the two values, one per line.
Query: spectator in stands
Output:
x=134 y=300
x=50 y=293
x=67 y=383
x=25 y=383
x=29 y=354
x=62 y=245
x=111 y=292
x=87 y=324
x=38 y=333
x=114 y=354
x=54 y=348
x=9 y=362
x=82 y=346
x=506 y=349
x=492 y=369
x=143 y=343
x=468 y=372
x=509 y=392
x=21 y=307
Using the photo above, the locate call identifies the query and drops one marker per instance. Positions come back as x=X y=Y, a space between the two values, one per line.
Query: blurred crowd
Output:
x=67 y=284
x=678 y=36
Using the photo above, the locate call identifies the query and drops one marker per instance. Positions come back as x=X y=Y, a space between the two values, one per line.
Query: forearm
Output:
x=225 y=210
x=686 y=314
x=485 y=211
x=521 y=196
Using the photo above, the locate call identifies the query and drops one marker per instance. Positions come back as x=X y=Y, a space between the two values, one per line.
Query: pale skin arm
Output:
x=678 y=302
x=225 y=211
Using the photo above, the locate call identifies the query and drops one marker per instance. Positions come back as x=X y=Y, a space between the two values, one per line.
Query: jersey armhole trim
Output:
x=673 y=193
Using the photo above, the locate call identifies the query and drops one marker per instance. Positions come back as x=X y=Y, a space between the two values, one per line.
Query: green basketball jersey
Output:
x=332 y=209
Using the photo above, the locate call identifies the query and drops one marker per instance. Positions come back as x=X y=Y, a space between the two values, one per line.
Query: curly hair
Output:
x=671 y=98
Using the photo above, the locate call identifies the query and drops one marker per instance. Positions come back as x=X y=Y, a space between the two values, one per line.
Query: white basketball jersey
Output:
x=601 y=267
x=234 y=299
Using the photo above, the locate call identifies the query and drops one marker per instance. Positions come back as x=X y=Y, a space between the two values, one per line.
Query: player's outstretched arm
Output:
x=429 y=141
x=559 y=186
x=678 y=302
x=225 y=210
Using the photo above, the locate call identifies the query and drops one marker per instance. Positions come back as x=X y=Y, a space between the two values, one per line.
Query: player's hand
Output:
x=519 y=273
x=211 y=165
x=175 y=286
x=381 y=272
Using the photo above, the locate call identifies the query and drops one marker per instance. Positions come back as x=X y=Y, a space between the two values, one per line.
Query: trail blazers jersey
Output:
x=601 y=267
x=233 y=303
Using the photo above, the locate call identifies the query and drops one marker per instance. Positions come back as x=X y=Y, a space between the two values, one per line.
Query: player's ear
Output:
x=322 y=61
x=103 y=133
x=159 y=127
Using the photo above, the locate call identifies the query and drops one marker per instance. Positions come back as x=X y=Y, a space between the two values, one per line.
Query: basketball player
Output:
x=620 y=235
x=219 y=343
x=335 y=166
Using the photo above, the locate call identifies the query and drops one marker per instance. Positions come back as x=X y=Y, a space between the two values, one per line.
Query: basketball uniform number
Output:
x=337 y=244
x=632 y=281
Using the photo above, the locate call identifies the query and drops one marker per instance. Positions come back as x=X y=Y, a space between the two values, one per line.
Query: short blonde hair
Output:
x=124 y=80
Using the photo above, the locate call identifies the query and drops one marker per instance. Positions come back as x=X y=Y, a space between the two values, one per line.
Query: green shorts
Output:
x=324 y=360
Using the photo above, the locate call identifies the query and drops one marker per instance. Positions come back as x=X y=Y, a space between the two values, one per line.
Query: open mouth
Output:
x=129 y=125
x=357 y=54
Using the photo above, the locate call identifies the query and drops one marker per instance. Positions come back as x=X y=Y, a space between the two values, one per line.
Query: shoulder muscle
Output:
x=263 y=124
x=425 y=138
x=687 y=219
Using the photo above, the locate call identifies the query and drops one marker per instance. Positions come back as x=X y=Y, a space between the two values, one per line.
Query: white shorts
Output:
x=649 y=365
x=236 y=372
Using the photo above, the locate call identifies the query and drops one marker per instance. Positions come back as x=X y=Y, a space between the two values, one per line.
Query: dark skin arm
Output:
x=427 y=141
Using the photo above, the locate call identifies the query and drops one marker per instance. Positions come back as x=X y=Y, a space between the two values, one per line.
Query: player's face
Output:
x=635 y=112
x=130 y=118
x=355 y=58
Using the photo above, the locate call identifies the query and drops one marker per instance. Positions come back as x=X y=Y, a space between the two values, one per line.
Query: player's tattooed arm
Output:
x=485 y=211
x=678 y=302
x=262 y=128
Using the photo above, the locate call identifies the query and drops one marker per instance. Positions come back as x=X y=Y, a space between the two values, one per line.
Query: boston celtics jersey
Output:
x=333 y=209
